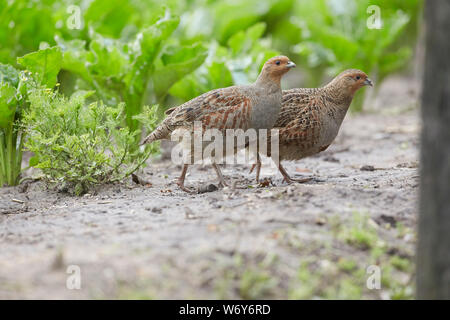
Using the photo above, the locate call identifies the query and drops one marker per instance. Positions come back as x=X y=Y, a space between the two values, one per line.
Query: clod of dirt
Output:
x=156 y=210
x=265 y=183
x=13 y=211
x=331 y=159
x=204 y=188
x=320 y=221
x=58 y=262
x=386 y=219
x=367 y=168
x=398 y=252
x=410 y=165
x=138 y=180
x=23 y=187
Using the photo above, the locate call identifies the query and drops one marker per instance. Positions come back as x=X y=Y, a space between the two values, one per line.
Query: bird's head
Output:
x=276 y=67
x=352 y=80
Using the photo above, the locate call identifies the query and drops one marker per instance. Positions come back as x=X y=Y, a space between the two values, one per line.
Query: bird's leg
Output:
x=222 y=181
x=288 y=179
x=180 y=181
x=256 y=165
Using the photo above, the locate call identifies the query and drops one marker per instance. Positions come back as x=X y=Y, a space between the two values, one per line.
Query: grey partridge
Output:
x=310 y=118
x=255 y=106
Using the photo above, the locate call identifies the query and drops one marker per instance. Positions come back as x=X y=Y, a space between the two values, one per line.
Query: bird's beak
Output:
x=368 y=82
x=290 y=64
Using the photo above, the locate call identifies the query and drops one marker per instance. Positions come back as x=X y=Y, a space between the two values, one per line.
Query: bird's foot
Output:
x=223 y=184
x=186 y=189
x=290 y=180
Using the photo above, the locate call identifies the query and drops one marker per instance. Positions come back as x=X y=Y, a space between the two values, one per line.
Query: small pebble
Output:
x=367 y=168
x=207 y=188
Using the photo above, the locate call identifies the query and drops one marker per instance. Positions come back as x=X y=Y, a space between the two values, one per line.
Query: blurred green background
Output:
x=209 y=44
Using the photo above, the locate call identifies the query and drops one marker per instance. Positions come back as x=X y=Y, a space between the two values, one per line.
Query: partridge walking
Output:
x=310 y=118
x=238 y=107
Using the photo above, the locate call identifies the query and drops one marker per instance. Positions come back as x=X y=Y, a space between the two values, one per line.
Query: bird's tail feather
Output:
x=161 y=132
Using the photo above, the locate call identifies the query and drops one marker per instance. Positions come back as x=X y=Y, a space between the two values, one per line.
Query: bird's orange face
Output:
x=354 y=80
x=278 y=66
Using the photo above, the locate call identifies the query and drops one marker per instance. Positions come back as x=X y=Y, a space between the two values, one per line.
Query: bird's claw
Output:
x=223 y=184
x=186 y=189
x=297 y=180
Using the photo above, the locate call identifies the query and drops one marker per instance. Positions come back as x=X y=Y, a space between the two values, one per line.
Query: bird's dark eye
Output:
x=358 y=77
x=278 y=62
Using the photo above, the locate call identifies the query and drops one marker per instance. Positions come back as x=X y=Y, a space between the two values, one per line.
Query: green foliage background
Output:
x=323 y=36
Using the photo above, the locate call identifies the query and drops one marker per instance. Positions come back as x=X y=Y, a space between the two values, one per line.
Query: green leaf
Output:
x=256 y=31
x=9 y=74
x=75 y=57
x=394 y=60
x=215 y=75
x=108 y=17
x=175 y=65
x=145 y=50
x=343 y=47
x=236 y=16
x=34 y=161
x=81 y=94
x=237 y=41
x=44 y=65
x=244 y=41
x=109 y=57
x=397 y=24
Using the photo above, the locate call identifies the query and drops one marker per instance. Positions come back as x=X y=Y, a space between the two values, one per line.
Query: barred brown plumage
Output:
x=310 y=118
x=238 y=107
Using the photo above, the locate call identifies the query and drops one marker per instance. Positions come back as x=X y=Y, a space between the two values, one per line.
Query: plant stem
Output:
x=10 y=156
x=2 y=158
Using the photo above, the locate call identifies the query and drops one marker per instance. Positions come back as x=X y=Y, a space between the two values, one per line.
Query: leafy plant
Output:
x=79 y=145
x=359 y=232
x=125 y=70
x=335 y=37
x=238 y=63
x=42 y=68
x=11 y=140
x=24 y=25
x=220 y=20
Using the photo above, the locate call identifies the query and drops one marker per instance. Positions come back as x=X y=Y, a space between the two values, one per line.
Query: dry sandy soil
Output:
x=311 y=240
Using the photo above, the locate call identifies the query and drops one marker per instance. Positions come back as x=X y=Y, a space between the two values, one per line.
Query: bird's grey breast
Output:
x=332 y=117
x=266 y=108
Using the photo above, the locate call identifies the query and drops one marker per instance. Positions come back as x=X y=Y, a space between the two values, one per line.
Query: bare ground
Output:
x=311 y=240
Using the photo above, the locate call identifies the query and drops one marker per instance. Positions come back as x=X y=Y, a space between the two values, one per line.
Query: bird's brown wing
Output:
x=298 y=123
x=293 y=103
x=227 y=108
x=299 y=119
